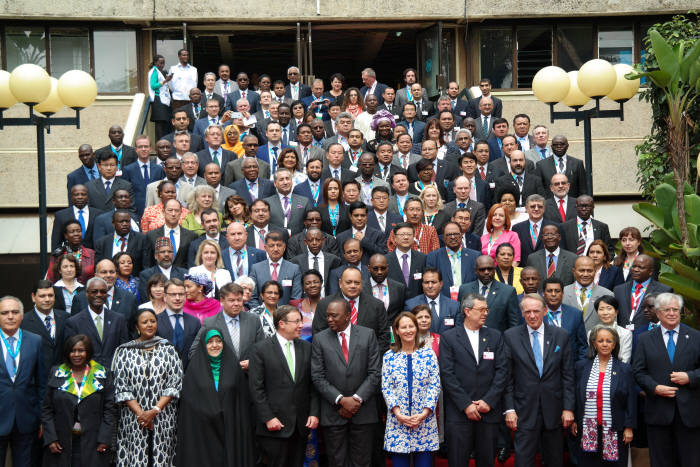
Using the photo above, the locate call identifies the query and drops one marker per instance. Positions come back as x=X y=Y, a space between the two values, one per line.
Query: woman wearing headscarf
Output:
x=213 y=428
x=197 y=288
x=232 y=140
x=383 y=125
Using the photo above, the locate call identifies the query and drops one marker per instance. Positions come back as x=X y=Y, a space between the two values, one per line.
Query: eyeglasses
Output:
x=454 y=234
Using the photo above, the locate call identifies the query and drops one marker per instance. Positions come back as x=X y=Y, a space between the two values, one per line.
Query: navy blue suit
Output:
x=378 y=91
x=252 y=97
x=572 y=322
x=103 y=225
x=133 y=173
x=449 y=312
x=334 y=277
x=418 y=130
x=190 y=326
x=264 y=153
x=253 y=256
x=175 y=273
x=502 y=301
x=523 y=231
x=440 y=260
x=304 y=189
x=610 y=277
x=123 y=303
x=495 y=151
x=265 y=189
x=78 y=177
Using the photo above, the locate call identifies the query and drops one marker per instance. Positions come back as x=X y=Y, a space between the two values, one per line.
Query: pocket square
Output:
x=556 y=349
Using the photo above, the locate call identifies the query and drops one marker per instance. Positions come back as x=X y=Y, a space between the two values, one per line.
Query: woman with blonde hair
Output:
x=201 y=198
x=208 y=261
x=433 y=213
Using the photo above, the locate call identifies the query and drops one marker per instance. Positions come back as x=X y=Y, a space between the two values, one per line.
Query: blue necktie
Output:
x=172 y=240
x=178 y=333
x=537 y=352
x=146 y=178
x=107 y=187
x=671 y=346
x=93 y=174
x=462 y=205
x=285 y=142
x=274 y=160
x=544 y=153
x=484 y=290
x=9 y=360
x=81 y=219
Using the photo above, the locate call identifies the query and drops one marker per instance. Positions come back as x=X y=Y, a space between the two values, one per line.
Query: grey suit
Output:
x=250 y=332
x=565 y=264
x=314 y=153
x=402 y=98
x=218 y=88
x=234 y=170
x=412 y=159
x=152 y=193
x=590 y=316
x=393 y=205
x=224 y=193
x=534 y=154
x=98 y=197
x=298 y=206
x=287 y=271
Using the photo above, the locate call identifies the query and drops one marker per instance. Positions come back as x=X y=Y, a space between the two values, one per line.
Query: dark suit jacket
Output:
x=551 y=210
x=190 y=327
x=296 y=245
x=202 y=124
x=611 y=277
x=569 y=232
x=450 y=316
x=253 y=256
x=372 y=243
x=343 y=222
x=196 y=141
x=265 y=189
x=253 y=236
x=114 y=333
x=20 y=401
x=345 y=173
x=466 y=379
x=528 y=393
x=63 y=216
x=378 y=91
x=250 y=333
x=77 y=177
x=483 y=192
x=532 y=184
x=565 y=264
x=124 y=304
x=186 y=239
x=575 y=172
x=418 y=129
x=473 y=109
x=304 y=91
x=138 y=247
x=278 y=393
x=103 y=225
x=133 y=173
x=51 y=349
x=252 y=97
x=652 y=367
x=194 y=246
x=370 y=314
x=189 y=110
x=623 y=394
x=390 y=220
x=572 y=322
x=332 y=376
x=304 y=189
x=445 y=172
x=415 y=273
x=502 y=301
x=175 y=273
x=128 y=154
x=99 y=199
x=623 y=294
x=217 y=97
x=523 y=231
x=330 y=262
x=60 y=301
x=397 y=296
x=439 y=259
x=477 y=214
x=334 y=276
x=205 y=158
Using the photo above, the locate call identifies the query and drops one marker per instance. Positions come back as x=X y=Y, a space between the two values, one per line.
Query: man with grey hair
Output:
x=22 y=384
x=106 y=329
x=190 y=169
x=295 y=90
x=209 y=93
x=473 y=382
x=287 y=209
x=539 y=150
x=214 y=136
x=343 y=125
x=371 y=85
x=666 y=366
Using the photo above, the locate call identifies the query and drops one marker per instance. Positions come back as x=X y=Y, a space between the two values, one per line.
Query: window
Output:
x=70 y=50
x=115 y=67
x=167 y=45
x=616 y=45
x=496 y=54
x=574 y=46
x=25 y=45
x=534 y=52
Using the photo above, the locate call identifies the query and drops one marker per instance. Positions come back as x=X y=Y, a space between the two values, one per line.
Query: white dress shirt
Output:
x=589 y=230
x=474 y=341
x=94 y=316
x=664 y=334
x=184 y=79
x=320 y=262
x=117 y=243
x=399 y=256
x=384 y=297
x=42 y=318
x=437 y=304
x=171 y=316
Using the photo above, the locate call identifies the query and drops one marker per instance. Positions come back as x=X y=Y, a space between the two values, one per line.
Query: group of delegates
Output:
x=363 y=266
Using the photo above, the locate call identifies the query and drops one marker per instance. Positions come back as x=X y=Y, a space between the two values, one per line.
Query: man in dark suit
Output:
x=484 y=118
x=47 y=322
x=125 y=154
x=666 y=366
x=118 y=300
x=22 y=384
x=315 y=257
x=379 y=217
x=631 y=294
x=107 y=329
x=346 y=371
x=277 y=269
x=444 y=310
x=212 y=90
x=86 y=172
x=312 y=187
x=103 y=222
x=444 y=171
x=243 y=92
x=286 y=402
x=124 y=239
x=565 y=317
x=524 y=182
x=561 y=162
x=194 y=108
x=370 y=239
x=336 y=164
x=77 y=210
x=530 y=231
x=367 y=311
x=183 y=120
x=405 y=264
x=540 y=394
x=182 y=237
x=352 y=256
x=252 y=187
x=390 y=292
x=210 y=222
x=260 y=218
x=458 y=106
x=296 y=244
x=214 y=136
x=371 y=85
x=477 y=213
x=462 y=218
x=414 y=126
x=474 y=371
x=501 y=298
x=424 y=107
x=579 y=233
x=561 y=207
x=453 y=258
x=100 y=189
x=180 y=329
x=295 y=90
x=211 y=118
x=485 y=87
x=238 y=257
x=553 y=261
x=163 y=255
x=142 y=172
x=286 y=208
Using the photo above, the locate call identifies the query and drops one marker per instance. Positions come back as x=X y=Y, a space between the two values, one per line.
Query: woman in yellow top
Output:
x=505 y=271
x=201 y=198
x=232 y=140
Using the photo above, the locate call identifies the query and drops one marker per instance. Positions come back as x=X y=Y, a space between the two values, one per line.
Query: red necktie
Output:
x=635 y=300
x=123 y=239
x=353 y=313
x=482 y=173
x=561 y=210
x=534 y=236
x=261 y=239
x=344 y=347
x=274 y=275
x=551 y=267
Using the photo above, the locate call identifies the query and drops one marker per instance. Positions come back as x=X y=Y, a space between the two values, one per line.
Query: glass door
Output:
x=435 y=51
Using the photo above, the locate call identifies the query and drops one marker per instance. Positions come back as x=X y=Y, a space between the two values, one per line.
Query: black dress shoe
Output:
x=503 y=455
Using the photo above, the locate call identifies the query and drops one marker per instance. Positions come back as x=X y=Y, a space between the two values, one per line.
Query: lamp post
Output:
x=595 y=79
x=31 y=85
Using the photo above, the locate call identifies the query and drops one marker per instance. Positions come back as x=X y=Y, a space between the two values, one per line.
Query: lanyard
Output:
x=355 y=157
x=420 y=236
x=532 y=234
x=429 y=219
x=552 y=320
x=13 y=353
x=79 y=389
x=318 y=190
x=398 y=203
x=333 y=213
x=492 y=243
x=588 y=296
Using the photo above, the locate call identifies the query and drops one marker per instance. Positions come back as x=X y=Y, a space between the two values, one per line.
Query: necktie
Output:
x=382 y=225
x=556 y=316
x=243 y=94
x=315 y=264
x=484 y=290
x=274 y=275
x=581 y=246
x=123 y=242
x=172 y=241
x=418 y=107
x=81 y=219
x=670 y=346
x=98 y=325
x=239 y=263
x=453 y=104
x=432 y=307
x=380 y=292
x=287 y=211
x=520 y=181
x=9 y=359
x=336 y=174
x=109 y=301
x=290 y=360
x=561 y=165
x=47 y=323
x=216 y=158
x=261 y=239
x=344 y=347
x=537 y=352
x=485 y=126
x=306 y=155
x=274 y=159
x=235 y=335
x=534 y=236
x=93 y=174
x=353 y=312
x=462 y=205
x=285 y=141
x=482 y=173
x=404 y=268
x=107 y=187
x=551 y=267
x=404 y=162
x=635 y=299
x=178 y=333
x=562 y=213
x=146 y=178
x=582 y=297
x=251 y=190
x=544 y=153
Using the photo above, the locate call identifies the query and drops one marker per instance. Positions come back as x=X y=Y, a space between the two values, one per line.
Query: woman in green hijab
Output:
x=212 y=427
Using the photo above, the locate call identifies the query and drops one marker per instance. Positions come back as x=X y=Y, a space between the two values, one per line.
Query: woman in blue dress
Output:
x=125 y=281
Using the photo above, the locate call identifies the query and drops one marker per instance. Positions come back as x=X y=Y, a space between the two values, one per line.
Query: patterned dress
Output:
x=146 y=376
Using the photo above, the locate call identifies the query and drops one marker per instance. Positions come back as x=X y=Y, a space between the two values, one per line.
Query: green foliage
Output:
x=680 y=49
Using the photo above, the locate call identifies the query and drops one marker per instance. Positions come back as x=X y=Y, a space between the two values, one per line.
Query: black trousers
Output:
x=21 y=444
x=527 y=440
x=463 y=438
x=674 y=445
x=284 y=452
x=595 y=459
x=349 y=445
